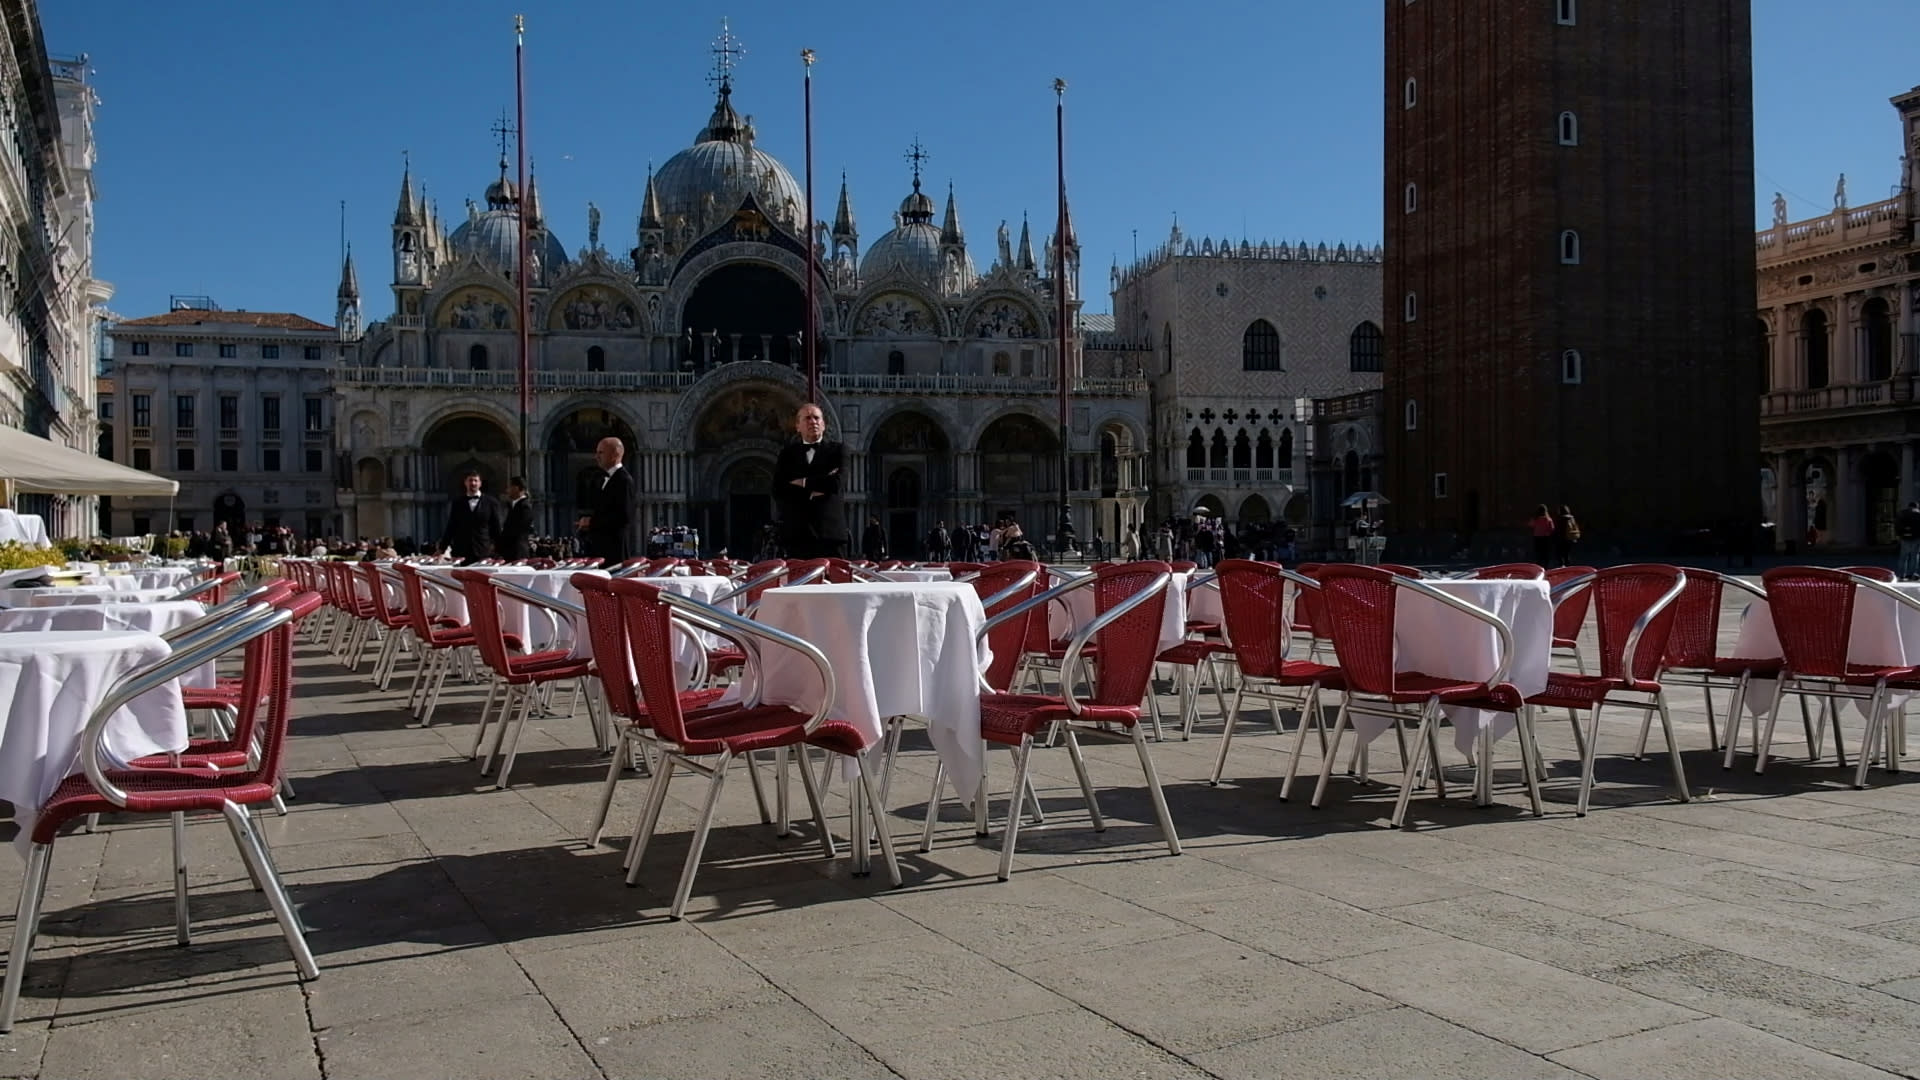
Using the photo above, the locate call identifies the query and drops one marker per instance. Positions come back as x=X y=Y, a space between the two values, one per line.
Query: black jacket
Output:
x=873 y=542
x=610 y=511
x=516 y=530
x=472 y=533
x=804 y=518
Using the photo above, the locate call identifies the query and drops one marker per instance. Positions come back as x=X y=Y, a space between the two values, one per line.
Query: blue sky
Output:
x=230 y=130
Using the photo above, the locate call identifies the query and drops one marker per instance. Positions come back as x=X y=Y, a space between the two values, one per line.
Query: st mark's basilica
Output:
x=940 y=378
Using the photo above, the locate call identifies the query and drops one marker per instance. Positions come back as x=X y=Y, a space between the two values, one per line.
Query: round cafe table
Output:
x=50 y=682
x=158 y=618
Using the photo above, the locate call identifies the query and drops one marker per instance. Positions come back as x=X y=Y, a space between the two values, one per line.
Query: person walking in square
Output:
x=1906 y=528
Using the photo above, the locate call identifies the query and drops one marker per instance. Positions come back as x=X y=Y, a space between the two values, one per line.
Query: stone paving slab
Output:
x=1771 y=927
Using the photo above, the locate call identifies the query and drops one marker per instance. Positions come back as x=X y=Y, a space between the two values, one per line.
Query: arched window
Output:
x=1242 y=451
x=1366 y=348
x=1409 y=308
x=1196 y=450
x=596 y=359
x=1413 y=415
x=477 y=358
x=1263 y=450
x=1570 y=367
x=1002 y=364
x=1876 y=340
x=1569 y=247
x=1412 y=199
x=1569 y=129
x=1166 y=343
x=1410 y=94
x=896 y=362
x=1815 y=349
x=1260 y=347
x=1285 y=460
x=1218 y=457
x=1764 y=349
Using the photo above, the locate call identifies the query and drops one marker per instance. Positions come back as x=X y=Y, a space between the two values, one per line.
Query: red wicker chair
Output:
x=176 y=792
x=725 y=733
x=1253 y=595
x=1813 y=616
x=613 y=666
x=1634 y=612
x=519 y=676
x=1693 y=652
x=1129 y=603
x=1360 y=602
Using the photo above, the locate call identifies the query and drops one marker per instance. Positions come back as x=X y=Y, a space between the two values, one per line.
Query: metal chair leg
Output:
x=1160 y=810
x=649 y=817
x=700 y=832
x=1587 y=759
x=1022 y=757
x=1420 y=745
x=182 y=931
x=933 y=804
x=1086 y=783
x=1226 y=736
x=1300 y=738
x=26 y=926
x=261 y=862
x=1673 y=749
x=1327 y=760
x=599 y=823
x=877 y=810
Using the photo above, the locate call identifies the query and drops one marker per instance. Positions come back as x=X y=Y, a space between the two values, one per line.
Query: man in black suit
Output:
x=806 y=490
x=609 y=508
x=473 y=522
x=516 y=533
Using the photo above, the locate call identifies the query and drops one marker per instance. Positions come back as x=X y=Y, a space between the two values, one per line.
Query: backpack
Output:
x=1571 y=527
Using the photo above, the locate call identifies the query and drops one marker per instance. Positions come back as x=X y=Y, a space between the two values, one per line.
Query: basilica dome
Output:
x=493 y=234
x=724 y=163
x=919 y=248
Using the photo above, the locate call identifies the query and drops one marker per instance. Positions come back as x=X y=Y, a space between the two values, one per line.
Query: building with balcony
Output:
x=1839 y=299
x=48 y=295
x=235 y=405
x=1236 y=340
x=689 y=345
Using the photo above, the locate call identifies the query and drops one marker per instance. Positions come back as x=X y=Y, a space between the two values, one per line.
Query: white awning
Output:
x=30 y=463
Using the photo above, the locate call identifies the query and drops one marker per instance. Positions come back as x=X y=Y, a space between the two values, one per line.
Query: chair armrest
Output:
x=196 y=589
x=829 y=685
x=1632 y=650
x=152 y=677
x=748 y=586
x=1749 y=587
x=551 y=606
x=1025 y=581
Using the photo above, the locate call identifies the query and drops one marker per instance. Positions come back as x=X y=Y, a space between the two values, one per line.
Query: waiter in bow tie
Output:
x=473 y=522
x=608 y=503
x=806 y=490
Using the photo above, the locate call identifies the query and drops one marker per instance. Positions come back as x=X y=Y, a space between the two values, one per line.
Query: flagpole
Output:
x=1063 y=540
x=525 y=230
x=808 y=320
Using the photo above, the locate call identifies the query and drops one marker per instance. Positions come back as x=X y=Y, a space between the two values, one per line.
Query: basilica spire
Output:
x=408 y=212
x=843 y=228
x=950 y=226
x=650 y=205
x=533 y=200
x=1026 y=244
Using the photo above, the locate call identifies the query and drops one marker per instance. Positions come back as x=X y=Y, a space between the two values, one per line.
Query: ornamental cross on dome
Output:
x=727 y=52
x=503 y=130
x=918 y=155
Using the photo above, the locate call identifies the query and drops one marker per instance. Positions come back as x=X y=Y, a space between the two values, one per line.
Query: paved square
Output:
x=1769 y=928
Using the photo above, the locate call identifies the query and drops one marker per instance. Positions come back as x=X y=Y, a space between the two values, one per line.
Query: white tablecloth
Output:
x=28 y=529
x=94 y=594
x=50 y=683
x=148 y=618
x=916 y=575
x=897 y=649
x=533 y=626
x=1434 y=639
x=1883 y=632
x=1079 y=612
